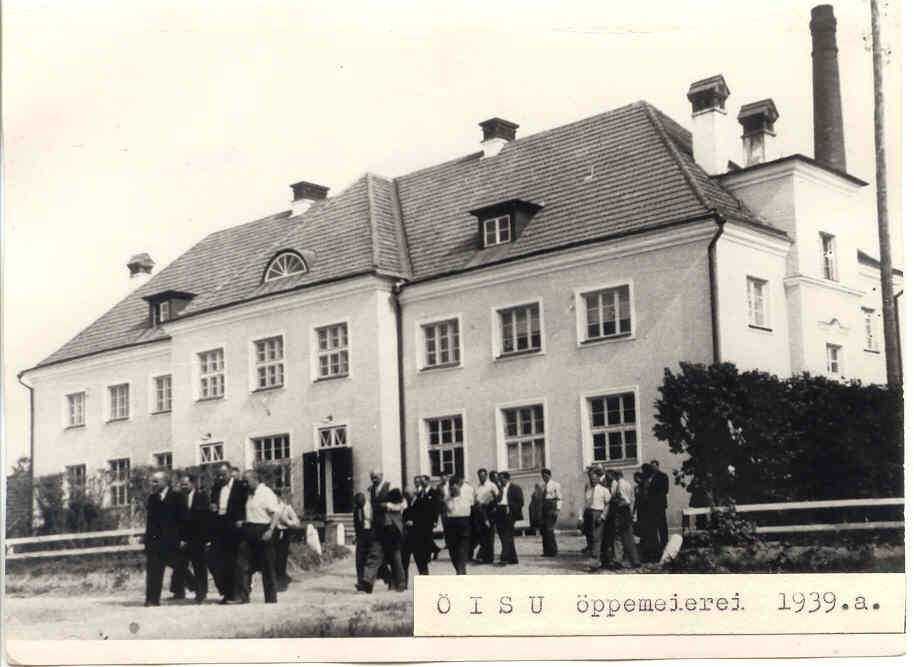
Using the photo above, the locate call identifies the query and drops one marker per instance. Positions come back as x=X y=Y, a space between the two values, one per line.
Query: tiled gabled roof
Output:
x=619 y=172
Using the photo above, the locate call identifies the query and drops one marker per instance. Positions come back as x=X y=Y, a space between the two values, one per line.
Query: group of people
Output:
x=613 y=508
x=242 y=527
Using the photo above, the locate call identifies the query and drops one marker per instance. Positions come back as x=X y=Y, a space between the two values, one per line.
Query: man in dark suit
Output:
x=510 y=508
x=420 y=518
x=653 y=514
x=194 y=534
x=161 y=541
x=227 y=504
x=376 y=499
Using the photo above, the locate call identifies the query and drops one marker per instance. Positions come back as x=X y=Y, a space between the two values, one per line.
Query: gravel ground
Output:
x=318 y=603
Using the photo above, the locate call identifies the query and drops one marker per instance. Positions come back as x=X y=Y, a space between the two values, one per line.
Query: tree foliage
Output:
x=753 y=437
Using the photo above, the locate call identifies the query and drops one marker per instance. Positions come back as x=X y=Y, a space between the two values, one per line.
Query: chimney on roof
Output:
x=828 y=124
x=709 y=99
x=757 y=119
x=304 y=194
x=496 y=132
x=140 y=267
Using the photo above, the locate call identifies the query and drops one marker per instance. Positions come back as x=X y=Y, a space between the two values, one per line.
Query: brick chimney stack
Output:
x=496 y=132
x=304 y=194
x=709 y=132
x=140 y=267
x=757 y=119
x=828 y=123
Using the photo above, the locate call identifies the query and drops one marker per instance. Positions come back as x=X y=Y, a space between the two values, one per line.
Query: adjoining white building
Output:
x=514 y=308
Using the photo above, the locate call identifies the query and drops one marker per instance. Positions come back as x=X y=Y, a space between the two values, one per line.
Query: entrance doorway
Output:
x=327 y=477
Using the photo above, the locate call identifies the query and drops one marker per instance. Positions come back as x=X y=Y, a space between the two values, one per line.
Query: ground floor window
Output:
x=76 y=481
x=524 y=437
x=445 y=445
x=119 y=478
x=273 y=451
x=614 y=428
x=211 y=452
x=163 y=460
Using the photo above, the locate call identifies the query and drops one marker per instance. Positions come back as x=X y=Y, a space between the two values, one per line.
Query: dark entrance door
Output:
x=314 y=502
x=340 y=461
x=327 y=477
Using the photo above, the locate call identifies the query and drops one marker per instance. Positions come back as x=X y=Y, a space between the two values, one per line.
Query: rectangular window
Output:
x=614 y=428
x=834 y=361
x=496 y=230
x=268 y=362
x=869 y=332
x=119 y=478
x=608 y=313
x=164 y=311
x=520 y=329
x=274 y=449
x=525 y=438
x=119 y=405
x=757 y=298
x=212 y=373
x=76 y=409
x=333 y=351
x=445 y=445
x=163 y=460
x=163 y=393
x=332 y=436
x=442 y=343
x=829 y=258
x=211 y=452
x=76 y=480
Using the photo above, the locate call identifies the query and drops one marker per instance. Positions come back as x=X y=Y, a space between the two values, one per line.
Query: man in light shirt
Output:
x=261 y=515
x=483 y=517
x=623 y=501
x=458 y=504
x=552 y=505
x=596 y=511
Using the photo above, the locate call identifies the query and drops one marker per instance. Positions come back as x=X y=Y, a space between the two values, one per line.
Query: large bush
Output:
x=753 y=437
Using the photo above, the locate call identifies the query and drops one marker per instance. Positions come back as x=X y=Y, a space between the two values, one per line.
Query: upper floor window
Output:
x=163 y=393
x=164 y=311
x=119 y=401
x=614 y=428
x=757 y=297
x=869 y=331
x=332 y=351
x=524 y=437
x=442 y=343
x=829 y=256
x=163 y=460
x=608 y=313
x=496 y=230
x=520 y=329
x=211 y=452
x=118 y=481
x=212 y=373
x=284 y=265
x=445 y=445
x=268 y=362
x=332 y=436
x=76 y=409
x=833 y=359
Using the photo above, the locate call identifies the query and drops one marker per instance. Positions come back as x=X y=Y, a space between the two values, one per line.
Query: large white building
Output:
x=513 y=308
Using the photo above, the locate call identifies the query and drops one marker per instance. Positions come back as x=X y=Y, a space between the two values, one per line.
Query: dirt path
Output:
x=317 y=603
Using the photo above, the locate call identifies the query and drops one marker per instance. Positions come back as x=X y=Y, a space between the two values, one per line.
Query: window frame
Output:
x=421 y=346
x=209 y=445
x=828 y=243
x=766 y=303
x=501 y=440
x=497 y=230
x=163 y=311
x=110 y=412
x=586 y=429
x=68 y=409
x=276 y=258
x=870 y=338
x=498 y=354
x=285 y=463
x=69 y=477
x=155 y=407
x=255 y=365
x=316 y=352
x=158 y=457
x=426 y=440
x=199 y=374
x=839 y=360
x=116 y=482
x=580 y=301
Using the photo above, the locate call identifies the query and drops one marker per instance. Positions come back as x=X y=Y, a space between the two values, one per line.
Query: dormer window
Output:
x=503 y=222
x=285 y=264
x=165 y=306
x=496 y=230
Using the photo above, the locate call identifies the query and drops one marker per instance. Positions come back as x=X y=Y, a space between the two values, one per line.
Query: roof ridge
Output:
x=372 y=225
x=675 y=154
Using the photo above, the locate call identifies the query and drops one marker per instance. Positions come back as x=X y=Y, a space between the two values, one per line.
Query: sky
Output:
x=143 y=126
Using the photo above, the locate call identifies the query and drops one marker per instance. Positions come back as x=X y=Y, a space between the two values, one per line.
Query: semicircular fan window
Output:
x=284 y=265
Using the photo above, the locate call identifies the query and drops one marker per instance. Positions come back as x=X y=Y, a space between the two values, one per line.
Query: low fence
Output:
x=813 y=516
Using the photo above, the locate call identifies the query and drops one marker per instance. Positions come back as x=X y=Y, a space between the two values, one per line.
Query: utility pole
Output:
x=889 y=313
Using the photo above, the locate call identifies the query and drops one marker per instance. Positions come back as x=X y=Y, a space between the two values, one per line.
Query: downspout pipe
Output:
x=898 y=338
x=31 y=448
x=401 y=397
x=712 y=278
